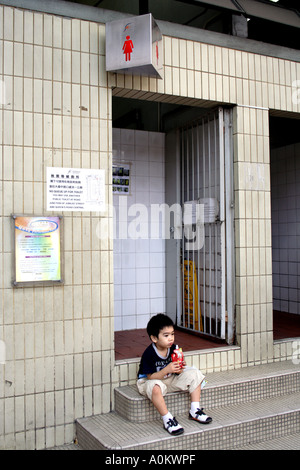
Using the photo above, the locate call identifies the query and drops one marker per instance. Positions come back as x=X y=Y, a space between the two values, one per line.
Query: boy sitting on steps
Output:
x=158 y=375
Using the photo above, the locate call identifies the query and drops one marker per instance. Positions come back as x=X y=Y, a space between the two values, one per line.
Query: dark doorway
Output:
x=285 y=205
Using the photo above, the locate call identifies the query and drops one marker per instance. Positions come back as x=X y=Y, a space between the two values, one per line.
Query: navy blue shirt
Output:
x=152 y=361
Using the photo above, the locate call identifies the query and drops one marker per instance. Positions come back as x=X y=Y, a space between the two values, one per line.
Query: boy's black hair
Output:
x=157 y=323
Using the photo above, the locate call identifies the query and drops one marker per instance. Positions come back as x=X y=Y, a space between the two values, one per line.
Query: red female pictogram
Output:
x=127 y=48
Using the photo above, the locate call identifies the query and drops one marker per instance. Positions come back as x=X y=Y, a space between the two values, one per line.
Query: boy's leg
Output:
x=191 y=380
x=195 y=395
x=170 y=422
x=196 y=413
x=155 y=391
x=159 y=401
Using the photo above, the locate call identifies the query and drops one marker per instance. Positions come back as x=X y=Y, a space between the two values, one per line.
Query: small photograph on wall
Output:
x=121 y=178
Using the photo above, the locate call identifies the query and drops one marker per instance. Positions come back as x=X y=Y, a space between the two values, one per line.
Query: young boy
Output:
x=158 y=375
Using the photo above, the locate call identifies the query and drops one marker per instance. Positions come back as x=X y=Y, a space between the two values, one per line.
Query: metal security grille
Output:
x=203 y=285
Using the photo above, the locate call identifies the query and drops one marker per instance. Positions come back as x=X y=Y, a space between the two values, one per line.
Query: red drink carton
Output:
x=177 y=356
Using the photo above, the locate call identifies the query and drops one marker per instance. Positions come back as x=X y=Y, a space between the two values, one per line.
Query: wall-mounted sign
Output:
x=121 y=178
x=134 y=45
x=72 y=189
x=37 y=249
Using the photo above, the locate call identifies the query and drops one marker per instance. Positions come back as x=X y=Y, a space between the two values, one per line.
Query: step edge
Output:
x=126 y=405
x=209 y=387
x=228 y=383
x=190 y=433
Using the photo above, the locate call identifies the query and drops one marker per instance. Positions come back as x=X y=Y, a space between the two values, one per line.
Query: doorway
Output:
x=285 y=203
x=161 y=147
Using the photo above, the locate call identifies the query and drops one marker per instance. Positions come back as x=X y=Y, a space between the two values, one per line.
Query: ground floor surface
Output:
x=132 y=343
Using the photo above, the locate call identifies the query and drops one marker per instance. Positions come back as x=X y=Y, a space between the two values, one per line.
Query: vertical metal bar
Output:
x=215 y=226
x=178 y=242
x=222 y=215
x=193 y=198
x=204 y=247
x=198 y=196
x=209 y=226
x=187 y=166
x=186 y=197
x=193 y=163
x=221 y=144
x=230 y=274
x=182 y=238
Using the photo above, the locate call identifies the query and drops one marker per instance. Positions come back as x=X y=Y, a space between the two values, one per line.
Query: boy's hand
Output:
x=174 y=368
x=171 y=368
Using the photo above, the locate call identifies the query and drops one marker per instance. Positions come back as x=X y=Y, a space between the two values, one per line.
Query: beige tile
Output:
x=190 y=83
x=189 y=55
x=205 y=86
x=197 y=56
x=167 y=42
x=183 y=82
x=212 y=86
x=176 y=81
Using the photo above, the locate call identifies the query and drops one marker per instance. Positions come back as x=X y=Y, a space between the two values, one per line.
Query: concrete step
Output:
x=248 y=406
x=289 y=442
x=222 y=389
x=233 y=426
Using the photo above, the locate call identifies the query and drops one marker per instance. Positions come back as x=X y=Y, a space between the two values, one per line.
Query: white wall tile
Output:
x=145 y=151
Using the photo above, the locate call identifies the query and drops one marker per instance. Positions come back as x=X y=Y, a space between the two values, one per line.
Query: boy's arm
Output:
x=171 y=368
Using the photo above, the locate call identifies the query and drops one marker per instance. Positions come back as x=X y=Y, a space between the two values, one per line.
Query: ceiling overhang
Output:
x=257 y=9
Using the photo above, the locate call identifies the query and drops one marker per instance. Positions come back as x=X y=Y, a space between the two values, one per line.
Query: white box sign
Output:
x=134 y=45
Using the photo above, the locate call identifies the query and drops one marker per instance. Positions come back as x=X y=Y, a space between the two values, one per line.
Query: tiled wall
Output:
x=285 y=179
x=195 y=71
x=56 y=111
x=139 y=262
x=253 y=253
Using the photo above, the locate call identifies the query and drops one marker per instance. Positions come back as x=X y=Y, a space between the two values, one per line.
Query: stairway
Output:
x=248 y=406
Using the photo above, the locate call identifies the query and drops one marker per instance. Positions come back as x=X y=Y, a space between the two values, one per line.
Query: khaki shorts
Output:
x=188 y=380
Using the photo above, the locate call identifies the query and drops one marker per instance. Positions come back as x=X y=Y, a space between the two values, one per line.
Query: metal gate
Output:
x=205 y=300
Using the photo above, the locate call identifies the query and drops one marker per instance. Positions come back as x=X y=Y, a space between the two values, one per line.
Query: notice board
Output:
x=37 y=250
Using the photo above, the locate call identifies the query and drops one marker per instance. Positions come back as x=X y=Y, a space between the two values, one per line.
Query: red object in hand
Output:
x=177 y=356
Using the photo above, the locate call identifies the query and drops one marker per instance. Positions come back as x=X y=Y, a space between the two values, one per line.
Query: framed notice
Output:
x=37 y=250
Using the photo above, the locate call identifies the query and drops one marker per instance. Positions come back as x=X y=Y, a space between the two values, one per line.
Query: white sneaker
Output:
x=173 y=427
x=200 y=416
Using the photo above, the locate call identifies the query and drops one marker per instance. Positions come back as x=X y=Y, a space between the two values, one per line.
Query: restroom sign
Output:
x=128 y=48
x=134 y=45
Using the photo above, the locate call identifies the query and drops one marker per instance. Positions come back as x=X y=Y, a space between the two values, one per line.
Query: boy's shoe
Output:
x=173 y=427
x=200 y=416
